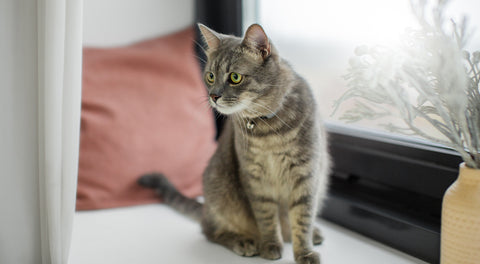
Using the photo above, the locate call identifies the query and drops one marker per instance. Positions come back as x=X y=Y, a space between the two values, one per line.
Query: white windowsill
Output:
x=156 y=234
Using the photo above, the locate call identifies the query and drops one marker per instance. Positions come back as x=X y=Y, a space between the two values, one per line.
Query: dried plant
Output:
x=430 y=77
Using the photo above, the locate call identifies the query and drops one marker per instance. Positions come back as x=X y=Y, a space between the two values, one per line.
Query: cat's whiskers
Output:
x=199 y=58
x=217 y=115
x=265 y=122
x=246 y=132
x=255 y=112
x=200 y=46
x=272 y=85
x=204 y=102
x=238 y=118
x=273 y=113
x=242 y=119
x=246 y=124
x=273 y=129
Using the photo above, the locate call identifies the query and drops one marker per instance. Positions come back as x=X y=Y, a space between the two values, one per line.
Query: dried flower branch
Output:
x=430 y=78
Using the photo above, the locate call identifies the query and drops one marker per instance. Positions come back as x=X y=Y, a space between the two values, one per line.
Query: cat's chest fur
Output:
x=271 y=159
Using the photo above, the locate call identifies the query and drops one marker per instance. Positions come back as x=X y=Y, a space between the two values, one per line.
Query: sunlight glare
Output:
x=367 y=21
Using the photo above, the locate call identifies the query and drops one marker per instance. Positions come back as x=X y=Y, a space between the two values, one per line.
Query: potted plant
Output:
x=430 y=79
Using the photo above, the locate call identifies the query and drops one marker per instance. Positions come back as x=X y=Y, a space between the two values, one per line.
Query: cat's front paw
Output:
x=245 y=247
x=271 y=250
x=311 y=257
x=317 y=236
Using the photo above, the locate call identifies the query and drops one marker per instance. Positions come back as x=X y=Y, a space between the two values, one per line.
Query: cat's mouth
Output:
x=228 y=107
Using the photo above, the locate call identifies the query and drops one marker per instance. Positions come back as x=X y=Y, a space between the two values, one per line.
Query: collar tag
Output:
x=250 y=124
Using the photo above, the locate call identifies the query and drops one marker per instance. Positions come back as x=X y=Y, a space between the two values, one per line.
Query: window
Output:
x=319 y=37
x=385 y=186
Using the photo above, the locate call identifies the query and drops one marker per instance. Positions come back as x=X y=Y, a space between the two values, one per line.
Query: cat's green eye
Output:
x=235 y=78
x=210 y=77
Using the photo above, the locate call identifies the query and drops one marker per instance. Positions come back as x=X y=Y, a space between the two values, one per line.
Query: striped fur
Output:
x=171 y=196
x=266 y=181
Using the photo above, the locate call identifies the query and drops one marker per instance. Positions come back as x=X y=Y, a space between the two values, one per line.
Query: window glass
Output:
x=319 y=37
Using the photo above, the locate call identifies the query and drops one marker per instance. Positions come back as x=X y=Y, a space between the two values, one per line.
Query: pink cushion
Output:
x=143 y=110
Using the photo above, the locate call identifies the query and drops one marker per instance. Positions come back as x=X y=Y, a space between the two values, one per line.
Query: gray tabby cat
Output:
x=268 y=176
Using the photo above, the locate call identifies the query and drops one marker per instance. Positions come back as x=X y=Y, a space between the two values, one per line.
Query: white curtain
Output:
x=40 y=92
x=59 y=86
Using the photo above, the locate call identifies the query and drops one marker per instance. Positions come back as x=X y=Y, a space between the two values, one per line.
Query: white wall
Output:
x=120 y=22
x=19 y=213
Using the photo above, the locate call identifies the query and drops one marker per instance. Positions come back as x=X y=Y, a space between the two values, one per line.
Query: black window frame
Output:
x=389 y=188
x=383 y=186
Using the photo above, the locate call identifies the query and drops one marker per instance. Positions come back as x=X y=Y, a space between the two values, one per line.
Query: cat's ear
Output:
x=256 y=39
x=211 y=38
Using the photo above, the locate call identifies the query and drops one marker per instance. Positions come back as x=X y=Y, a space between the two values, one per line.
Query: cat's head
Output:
x=243 y=75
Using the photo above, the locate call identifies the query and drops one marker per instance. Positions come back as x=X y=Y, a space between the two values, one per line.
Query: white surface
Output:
x=19 y=227
x=156 y=234
x=120 y=22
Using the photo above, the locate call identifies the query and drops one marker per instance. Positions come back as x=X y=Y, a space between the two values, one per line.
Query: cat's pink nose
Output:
x=214 y=97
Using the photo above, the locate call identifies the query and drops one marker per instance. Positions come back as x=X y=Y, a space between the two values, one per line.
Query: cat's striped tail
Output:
x=171 y=196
